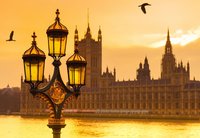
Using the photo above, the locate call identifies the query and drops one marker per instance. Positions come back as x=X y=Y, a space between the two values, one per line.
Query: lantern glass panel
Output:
x=41 y=71
x=27 y=70
x=34 y=72
x=83 y=75
x=77 y=76
x=63 y=45
x=57 y=45
x=74 y=75
x=50 y=41
x=71 y=75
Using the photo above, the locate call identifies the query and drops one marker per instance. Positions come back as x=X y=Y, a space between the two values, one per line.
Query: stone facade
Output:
x=173 y=94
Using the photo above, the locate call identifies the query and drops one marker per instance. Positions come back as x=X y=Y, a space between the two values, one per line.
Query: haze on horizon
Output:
x=128 y=34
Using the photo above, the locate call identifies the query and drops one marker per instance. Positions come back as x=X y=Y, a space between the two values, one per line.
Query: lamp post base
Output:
x=56 y=125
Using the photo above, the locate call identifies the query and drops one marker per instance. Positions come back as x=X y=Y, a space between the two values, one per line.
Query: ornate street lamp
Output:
x=76 y=68
x=55 y=93
x=34 y=62
x=57 y=38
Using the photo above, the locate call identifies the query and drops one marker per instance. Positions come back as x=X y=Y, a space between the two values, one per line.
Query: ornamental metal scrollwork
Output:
x=57 y=92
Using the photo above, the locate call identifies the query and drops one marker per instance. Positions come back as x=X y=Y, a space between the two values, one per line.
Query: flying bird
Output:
x=143 y=7
x=11 y=36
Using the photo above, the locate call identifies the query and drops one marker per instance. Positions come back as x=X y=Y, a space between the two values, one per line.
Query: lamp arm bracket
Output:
x=56 y=76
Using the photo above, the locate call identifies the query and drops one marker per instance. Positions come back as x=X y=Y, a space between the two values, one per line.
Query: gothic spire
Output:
x=107 y=69
x=88 y=18
x=99 y=34
x=168 y=46
x=145 y=60
x=88 y=33
x=76 y=35
x=140 y=65
x=168 y=36
x=146 y=64
x=114 y=72
x=76 y=31
x=168 y=61
x=188 y=66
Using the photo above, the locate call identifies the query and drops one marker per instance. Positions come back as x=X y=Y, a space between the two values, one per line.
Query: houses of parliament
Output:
x=172 y=94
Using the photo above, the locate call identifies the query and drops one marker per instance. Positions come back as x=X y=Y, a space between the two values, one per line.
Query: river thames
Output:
x=18 y=127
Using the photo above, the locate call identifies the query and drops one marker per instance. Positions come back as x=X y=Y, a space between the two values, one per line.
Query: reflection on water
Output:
x=18 y=127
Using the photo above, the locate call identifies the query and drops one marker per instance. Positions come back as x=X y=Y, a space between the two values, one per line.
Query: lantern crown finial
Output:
x=76 y=57
x=34 y=36
x=34 y=42
x=57 y=17
x=57 y=25
x=57 y=12
x=34 y=50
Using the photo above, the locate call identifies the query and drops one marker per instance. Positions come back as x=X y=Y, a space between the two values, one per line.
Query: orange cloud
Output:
x=179 y=37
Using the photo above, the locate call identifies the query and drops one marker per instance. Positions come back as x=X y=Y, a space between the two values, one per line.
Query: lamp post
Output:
x=55 y=93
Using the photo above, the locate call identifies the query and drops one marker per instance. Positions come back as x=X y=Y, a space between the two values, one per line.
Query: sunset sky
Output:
x=128 y=34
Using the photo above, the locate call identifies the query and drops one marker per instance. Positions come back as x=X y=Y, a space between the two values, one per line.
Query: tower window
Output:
x=94 y=62
x=168 y=50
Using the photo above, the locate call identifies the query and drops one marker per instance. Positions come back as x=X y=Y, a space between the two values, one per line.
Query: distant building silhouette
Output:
x=9 y=100
x=30 y=105
x=172 y=94
x=91 y=50
x=143 y=73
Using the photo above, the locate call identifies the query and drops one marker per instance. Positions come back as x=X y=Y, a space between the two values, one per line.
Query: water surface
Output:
x=29 y=127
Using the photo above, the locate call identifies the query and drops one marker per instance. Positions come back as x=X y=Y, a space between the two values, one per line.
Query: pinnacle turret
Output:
x=76 y=36
x=168 y=46
x=99 y=34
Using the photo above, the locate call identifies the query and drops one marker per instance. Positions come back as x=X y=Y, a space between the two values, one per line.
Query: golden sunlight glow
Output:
x=96 y=128
x=123 y=27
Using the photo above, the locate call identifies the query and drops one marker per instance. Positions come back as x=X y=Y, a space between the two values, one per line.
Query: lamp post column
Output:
x=56 y=125
x=56 y=130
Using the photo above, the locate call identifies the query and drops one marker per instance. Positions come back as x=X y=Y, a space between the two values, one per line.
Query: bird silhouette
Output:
x=11 y=36
x=143 y=7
